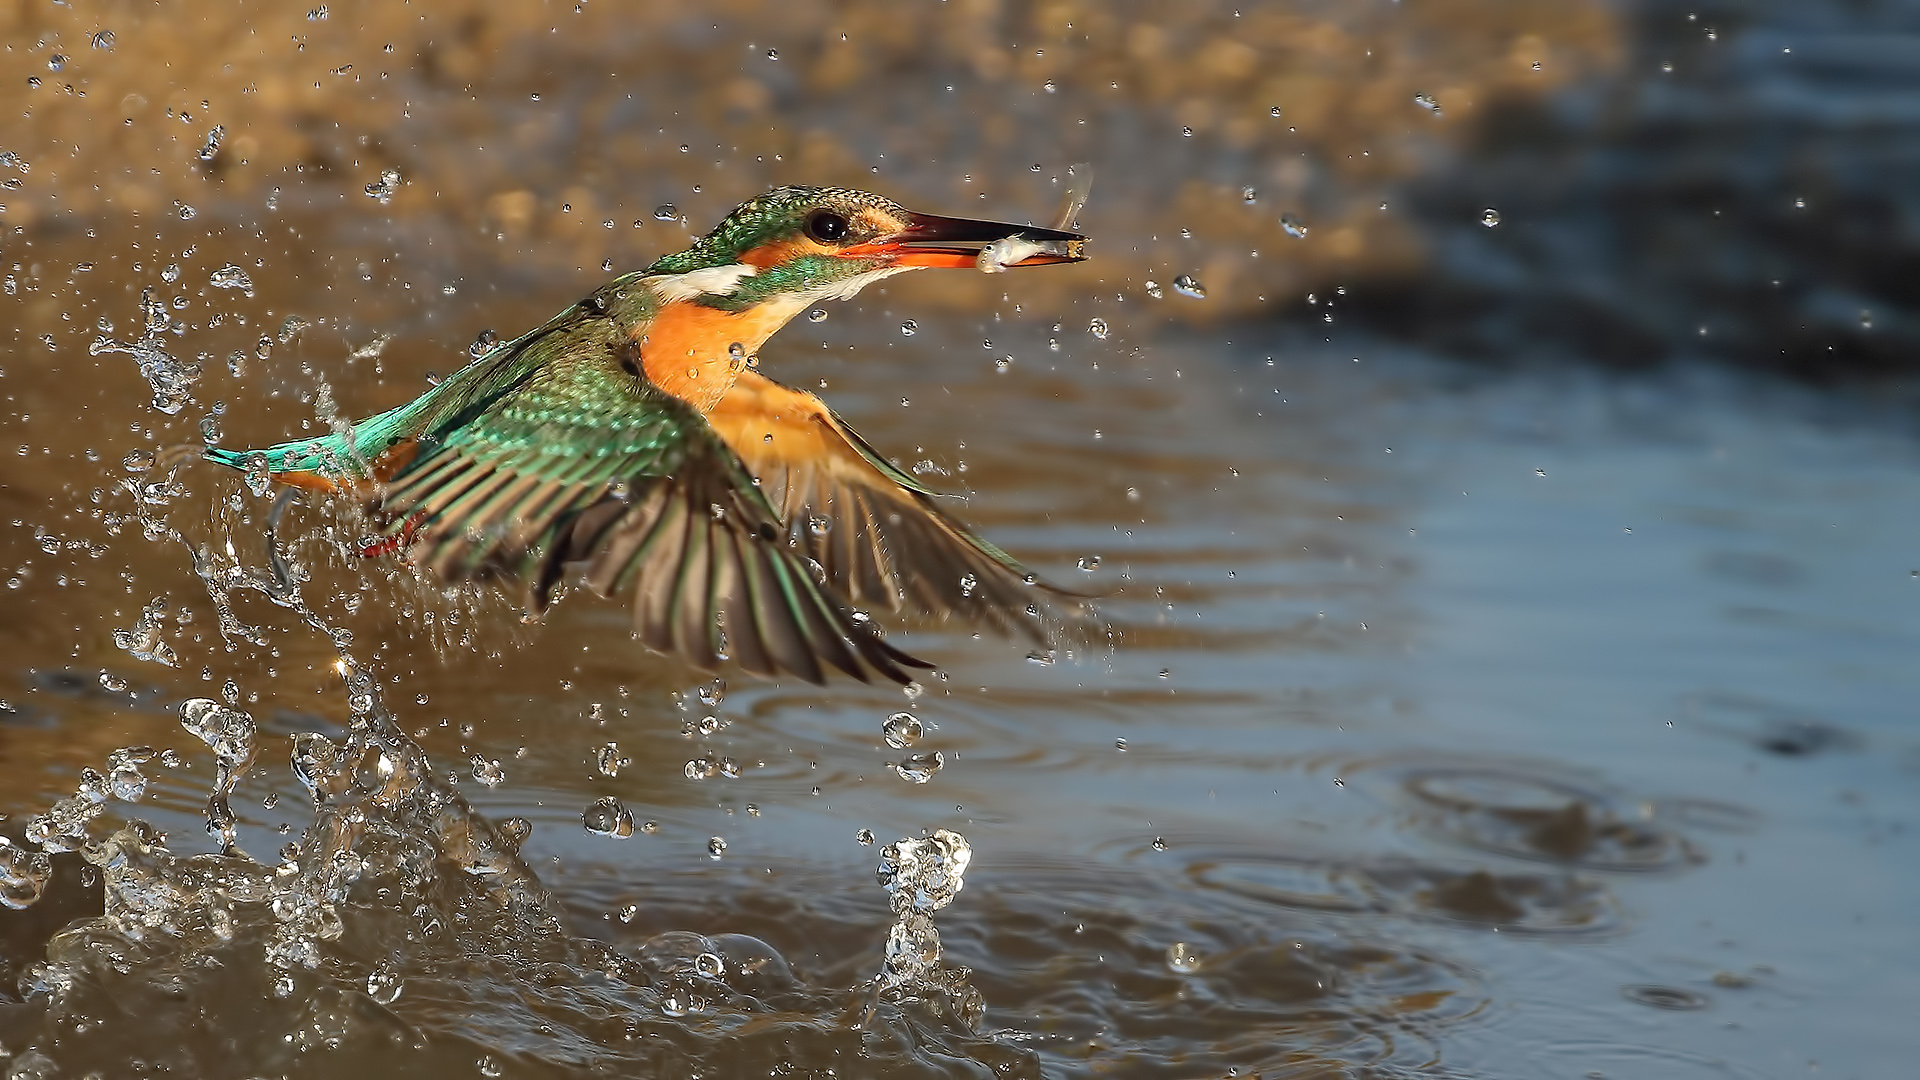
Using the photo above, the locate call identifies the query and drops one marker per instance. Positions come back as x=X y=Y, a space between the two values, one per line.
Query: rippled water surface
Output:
x=1445 y=719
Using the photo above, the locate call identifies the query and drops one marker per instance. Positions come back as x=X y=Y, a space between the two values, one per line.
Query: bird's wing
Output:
x=877 y=532
x=582 y=461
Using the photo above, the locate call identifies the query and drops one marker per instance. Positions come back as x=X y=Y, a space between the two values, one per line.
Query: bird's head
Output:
x=794 y=246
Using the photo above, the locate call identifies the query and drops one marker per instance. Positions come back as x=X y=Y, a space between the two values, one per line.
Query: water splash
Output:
x=921 y=877
x=171 y=380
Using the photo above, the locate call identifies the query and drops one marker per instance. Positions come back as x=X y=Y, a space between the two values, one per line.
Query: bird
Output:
x=633 y=434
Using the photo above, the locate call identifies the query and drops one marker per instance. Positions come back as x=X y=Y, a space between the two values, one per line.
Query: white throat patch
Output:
x=715 y=280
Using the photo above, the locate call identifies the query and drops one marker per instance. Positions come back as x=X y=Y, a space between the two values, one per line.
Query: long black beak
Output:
x=964 y=242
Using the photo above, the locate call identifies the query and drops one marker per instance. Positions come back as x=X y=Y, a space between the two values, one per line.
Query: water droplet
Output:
x=483 y=344
x=920 y=768
x=608 y=817
x=186 y=212
x=1427 y=102
x=773 y=54
x=1249 y=195
x=1159 y=843
x=259 y=473
x=1049 y=87
x=864 y=836
x=210 y=148
x=382 y=190
x=1186 y=132
x=1153 y=290
x=1293 y=226
x=700 y=768
x=488 y=772
x=909 y=328
x=1003 y=364
x=231 y=277
x=817 y=315
x=1188 y=287
x=1089 y=563
x=1182 y=958
x=103 y=39
x=607 y=759
x=112 y=683
x=1274 y=112
x=384 y=983
x=1490 y=218
x=902 y=730
x=1120 y=745
x=137 y=460
x=665 y=212
x=716 y=846
x=819 y=526
x=1098 y=328
x=171 y=274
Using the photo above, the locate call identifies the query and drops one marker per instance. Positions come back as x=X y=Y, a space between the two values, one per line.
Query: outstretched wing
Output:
x=877 y=532
x=582 y=461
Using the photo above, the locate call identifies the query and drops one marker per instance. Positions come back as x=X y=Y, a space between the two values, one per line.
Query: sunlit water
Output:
x=1445 y=723
x=1442 y=722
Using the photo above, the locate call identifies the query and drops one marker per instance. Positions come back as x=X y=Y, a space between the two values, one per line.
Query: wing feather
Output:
x=887 y=543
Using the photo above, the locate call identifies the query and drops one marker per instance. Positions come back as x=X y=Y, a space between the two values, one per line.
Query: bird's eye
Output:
x=827 y=227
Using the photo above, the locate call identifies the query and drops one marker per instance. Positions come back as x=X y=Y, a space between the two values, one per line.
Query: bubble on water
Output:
x=1427 y=102
x=909 y=328
x=1182 y=958
x=1187 y=286
x=1490 y=217
x=864 y=837
x=231 y=277
x=1098 y=328
x=608 y=761
x=382 y=190
x=210 y=148
x=666 y=212
x=1153 y=289
x=1293 y=227
x=716 y=846
x=487 y=771
x=920 y=768
x=817 y=315
x=902 y=730
x=102 y=39
x=608 y=817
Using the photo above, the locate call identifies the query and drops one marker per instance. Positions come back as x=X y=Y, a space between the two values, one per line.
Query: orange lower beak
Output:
x=957 y=243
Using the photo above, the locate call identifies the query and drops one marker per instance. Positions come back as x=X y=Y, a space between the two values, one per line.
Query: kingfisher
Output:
x=634 y=435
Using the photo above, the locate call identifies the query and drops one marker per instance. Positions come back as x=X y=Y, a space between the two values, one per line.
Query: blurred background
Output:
x=1491 y=422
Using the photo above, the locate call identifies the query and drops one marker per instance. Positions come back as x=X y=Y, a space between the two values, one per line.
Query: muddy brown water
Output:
x=1447 y=722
